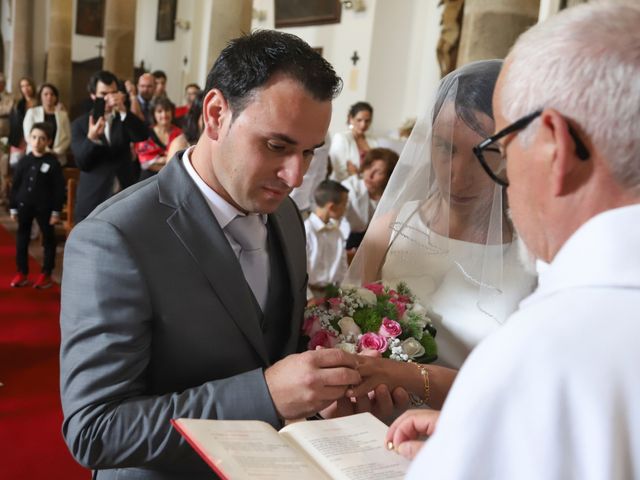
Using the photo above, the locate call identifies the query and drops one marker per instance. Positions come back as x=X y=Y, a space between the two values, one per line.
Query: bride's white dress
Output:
x=443 y=273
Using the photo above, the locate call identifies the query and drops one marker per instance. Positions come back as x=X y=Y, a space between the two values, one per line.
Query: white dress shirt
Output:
x=360 y=207
x=221 y=209
x=326 y=253
x=61 y=142
x=345 y=149
x=555 y=393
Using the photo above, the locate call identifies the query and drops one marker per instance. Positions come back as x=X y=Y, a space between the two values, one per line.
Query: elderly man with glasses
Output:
x=555 y=393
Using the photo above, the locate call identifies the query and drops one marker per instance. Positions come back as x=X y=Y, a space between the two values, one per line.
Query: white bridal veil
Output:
x=441 y=225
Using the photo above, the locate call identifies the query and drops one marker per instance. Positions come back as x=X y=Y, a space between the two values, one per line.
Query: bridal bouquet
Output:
x=373 y=317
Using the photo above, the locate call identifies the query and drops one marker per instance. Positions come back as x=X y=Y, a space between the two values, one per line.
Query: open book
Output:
x=349 y=448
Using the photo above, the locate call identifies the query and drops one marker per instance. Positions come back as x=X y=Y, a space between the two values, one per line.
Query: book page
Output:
x=240 y=449
x=349 y=448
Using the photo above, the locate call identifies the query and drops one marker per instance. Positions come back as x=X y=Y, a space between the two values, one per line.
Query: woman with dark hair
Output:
x=152 y=153
x=51 y=111
x=349 y=148
x=442 y=228
x=191 y=130
x=366 y=190
x=28 y=99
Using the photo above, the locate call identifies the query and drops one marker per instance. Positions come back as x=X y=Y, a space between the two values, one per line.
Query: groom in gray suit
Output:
x=183 y=295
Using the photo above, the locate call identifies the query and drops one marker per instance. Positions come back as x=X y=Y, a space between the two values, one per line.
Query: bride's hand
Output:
x=380 y=402
x=376 y=371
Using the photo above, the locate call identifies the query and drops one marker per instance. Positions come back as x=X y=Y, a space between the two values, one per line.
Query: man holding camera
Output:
x=100 y=144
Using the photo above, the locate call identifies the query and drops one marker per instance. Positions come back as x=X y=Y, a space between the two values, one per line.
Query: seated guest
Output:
x=191 y=128
x=28 y=99
x=191 y=92
x=160 y=84
x=152 y=153
x=365 y=191
x=326 y=254
x=554 y=393
x=53 y=113
x=349 y=148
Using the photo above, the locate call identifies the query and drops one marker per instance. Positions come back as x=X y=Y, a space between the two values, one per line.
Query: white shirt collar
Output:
x=221 y=209
x=602 y=252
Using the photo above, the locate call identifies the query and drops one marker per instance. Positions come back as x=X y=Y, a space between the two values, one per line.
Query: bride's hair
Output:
x=474 y=92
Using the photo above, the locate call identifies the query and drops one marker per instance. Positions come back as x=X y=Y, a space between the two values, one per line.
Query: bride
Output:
x=442 y=228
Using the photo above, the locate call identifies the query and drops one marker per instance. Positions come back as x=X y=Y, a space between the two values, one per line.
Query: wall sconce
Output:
x=259 y=15
x=183 y=24
x=355 y=5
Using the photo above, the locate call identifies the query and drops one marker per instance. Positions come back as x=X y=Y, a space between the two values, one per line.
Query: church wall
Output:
x=403 y=72
x=397 y=69
x=395 y=40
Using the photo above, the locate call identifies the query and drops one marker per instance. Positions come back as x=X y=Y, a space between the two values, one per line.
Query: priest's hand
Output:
x=305 y=383
x=406 y=435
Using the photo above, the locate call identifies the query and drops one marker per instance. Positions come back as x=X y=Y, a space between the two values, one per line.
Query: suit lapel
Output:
x=198 y=230
x=292 y=259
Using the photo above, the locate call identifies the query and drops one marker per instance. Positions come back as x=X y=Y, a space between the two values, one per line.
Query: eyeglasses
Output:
x=492 y=156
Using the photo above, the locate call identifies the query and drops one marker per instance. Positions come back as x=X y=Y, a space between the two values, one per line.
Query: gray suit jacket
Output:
x=158 y=323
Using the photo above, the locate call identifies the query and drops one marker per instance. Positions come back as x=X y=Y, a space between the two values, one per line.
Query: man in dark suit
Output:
x=167 y=311
x=101 y=147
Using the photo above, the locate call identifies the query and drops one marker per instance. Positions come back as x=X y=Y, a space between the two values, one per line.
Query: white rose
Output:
x=347 y=347
x=367 y=296
x=412 y=348
x=348 y=326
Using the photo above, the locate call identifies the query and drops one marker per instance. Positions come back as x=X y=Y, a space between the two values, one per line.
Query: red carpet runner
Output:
x=31 y=445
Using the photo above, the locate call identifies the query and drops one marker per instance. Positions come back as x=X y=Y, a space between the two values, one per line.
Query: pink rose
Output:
x=401 y=307
x=376 y=288
x=322 y=338
x=311 y=325
x=372 y=341
x=335 y=302
x=389 y=328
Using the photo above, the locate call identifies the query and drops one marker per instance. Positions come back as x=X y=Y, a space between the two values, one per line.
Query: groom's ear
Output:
x=216 y=114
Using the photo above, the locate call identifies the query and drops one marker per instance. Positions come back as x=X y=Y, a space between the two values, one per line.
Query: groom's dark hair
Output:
x=248 y=62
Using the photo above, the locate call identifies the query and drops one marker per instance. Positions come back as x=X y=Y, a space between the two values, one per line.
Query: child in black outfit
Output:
x=37 y=192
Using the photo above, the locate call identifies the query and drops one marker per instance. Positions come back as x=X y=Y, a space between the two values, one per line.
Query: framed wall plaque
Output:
x=166 y=23
x=297 y=13
x=90 y=18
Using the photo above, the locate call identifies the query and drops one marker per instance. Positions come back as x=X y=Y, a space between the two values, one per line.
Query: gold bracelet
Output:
x=415 y=400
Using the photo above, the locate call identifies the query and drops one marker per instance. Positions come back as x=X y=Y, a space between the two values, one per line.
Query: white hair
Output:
x=585 y=63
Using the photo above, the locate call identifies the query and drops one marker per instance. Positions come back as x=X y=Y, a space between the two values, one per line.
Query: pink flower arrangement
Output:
x=373 y=318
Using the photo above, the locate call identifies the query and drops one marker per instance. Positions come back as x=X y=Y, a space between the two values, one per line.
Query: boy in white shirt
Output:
x=326 y=252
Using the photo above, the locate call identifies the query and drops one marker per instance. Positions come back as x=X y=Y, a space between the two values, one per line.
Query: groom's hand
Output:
x=305 y=383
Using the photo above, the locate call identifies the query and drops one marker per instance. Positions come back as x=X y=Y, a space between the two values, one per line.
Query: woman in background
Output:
x=28 y=99
x=366 y=190
x=152 y=153
x=192 y=128
x=51 y=111
x=349 y=148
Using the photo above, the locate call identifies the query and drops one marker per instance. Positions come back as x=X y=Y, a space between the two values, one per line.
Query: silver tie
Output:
x=251 y=233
